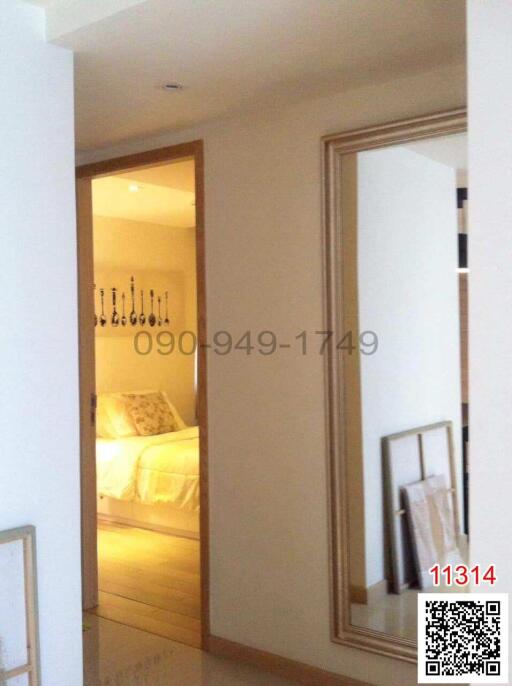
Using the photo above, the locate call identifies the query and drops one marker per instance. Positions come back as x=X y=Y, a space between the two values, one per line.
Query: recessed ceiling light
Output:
x=134 y=188
x=172 y=87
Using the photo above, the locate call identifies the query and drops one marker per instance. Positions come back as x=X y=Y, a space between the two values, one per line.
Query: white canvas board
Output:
x=13 y=629
x=432 y=526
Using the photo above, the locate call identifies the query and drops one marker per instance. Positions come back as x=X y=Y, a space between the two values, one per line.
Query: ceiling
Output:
x=159 y=195
x=177 y=175
x=450 y=150
x=237 y=55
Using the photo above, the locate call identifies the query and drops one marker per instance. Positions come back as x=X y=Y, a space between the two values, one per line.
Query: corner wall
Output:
x=490 y=284
x=268 y=490
x=39 y=461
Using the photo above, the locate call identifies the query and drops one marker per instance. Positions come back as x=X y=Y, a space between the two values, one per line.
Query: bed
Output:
x=146 y=480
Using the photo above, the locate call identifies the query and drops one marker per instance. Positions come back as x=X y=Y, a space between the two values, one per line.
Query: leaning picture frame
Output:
x=19 y=626
x=412 y=456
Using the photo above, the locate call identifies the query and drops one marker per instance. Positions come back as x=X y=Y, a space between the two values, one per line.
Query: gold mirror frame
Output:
x=334 y=148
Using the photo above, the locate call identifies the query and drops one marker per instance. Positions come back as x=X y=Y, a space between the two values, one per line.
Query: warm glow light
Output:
x=463 y=270
x=133 y=188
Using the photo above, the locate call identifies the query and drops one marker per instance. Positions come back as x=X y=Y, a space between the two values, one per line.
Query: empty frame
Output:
x=19 y=642
x=409 y=457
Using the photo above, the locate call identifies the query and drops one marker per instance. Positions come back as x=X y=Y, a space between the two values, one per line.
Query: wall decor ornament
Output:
x=123 y=318
x=142 y=316
x=166 y=320
x=103 y=319
x=117 y=318
x=152 y=318
x=133 y=314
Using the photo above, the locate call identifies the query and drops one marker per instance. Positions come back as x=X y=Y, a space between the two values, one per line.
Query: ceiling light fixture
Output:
x=173 y=87
x=134 y=188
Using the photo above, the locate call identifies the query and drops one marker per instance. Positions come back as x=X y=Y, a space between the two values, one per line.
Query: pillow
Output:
x=179 y=421
x=150 y=413
x=112 y=417
x=147 y=391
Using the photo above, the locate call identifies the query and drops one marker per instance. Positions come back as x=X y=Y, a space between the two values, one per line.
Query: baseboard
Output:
x=370 y=595
x=280 y=666
x=114 y=519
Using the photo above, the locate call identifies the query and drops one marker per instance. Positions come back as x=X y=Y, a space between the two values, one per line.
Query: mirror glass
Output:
x=405 y=289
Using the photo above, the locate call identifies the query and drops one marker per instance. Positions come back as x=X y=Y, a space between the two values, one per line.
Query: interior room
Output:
x=328 y=475
x=147 y=438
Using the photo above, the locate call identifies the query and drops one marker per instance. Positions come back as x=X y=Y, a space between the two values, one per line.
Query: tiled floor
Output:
x=395 y=615
x=117 y=655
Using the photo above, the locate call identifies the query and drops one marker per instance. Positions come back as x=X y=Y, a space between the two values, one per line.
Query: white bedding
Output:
x=151 y=469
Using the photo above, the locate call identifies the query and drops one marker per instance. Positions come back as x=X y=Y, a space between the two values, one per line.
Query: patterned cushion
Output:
x=150 y=413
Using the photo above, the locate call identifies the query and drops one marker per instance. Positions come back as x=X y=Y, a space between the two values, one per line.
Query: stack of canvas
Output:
x=432 y=526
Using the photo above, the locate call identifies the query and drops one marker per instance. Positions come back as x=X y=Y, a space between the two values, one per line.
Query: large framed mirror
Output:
x=397 y=381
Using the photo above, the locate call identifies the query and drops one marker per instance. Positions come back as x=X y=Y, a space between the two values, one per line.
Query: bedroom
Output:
x=146 y=380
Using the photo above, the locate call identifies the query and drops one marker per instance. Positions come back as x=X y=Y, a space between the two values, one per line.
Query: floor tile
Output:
x=118 y=655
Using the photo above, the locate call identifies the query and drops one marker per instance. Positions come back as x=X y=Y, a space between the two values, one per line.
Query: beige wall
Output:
x=163 y=258
x=269 y=553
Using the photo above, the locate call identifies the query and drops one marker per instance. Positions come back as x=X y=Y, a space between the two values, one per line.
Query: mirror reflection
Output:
x=405 y=279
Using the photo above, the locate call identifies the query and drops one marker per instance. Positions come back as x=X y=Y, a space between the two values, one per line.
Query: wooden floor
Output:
x=150 y=581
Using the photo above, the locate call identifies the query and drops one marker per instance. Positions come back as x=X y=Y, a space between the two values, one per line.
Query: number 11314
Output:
x=462 y=575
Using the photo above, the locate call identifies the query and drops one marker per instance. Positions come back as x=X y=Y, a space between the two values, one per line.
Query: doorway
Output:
x=142 y=330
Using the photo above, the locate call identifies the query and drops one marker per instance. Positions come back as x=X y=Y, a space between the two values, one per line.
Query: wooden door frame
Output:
x=84 y=176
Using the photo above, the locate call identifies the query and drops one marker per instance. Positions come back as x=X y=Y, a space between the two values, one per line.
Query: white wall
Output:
x=38 y=344
x=269 y=554
x=408 y=295
x=490 y=297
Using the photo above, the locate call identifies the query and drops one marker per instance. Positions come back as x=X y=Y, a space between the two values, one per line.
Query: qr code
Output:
x=461 y=637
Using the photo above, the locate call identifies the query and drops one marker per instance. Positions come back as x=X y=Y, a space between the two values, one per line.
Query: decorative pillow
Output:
x=150 y=413
x=104 y=428
x=112 y=417
x=179 y=421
